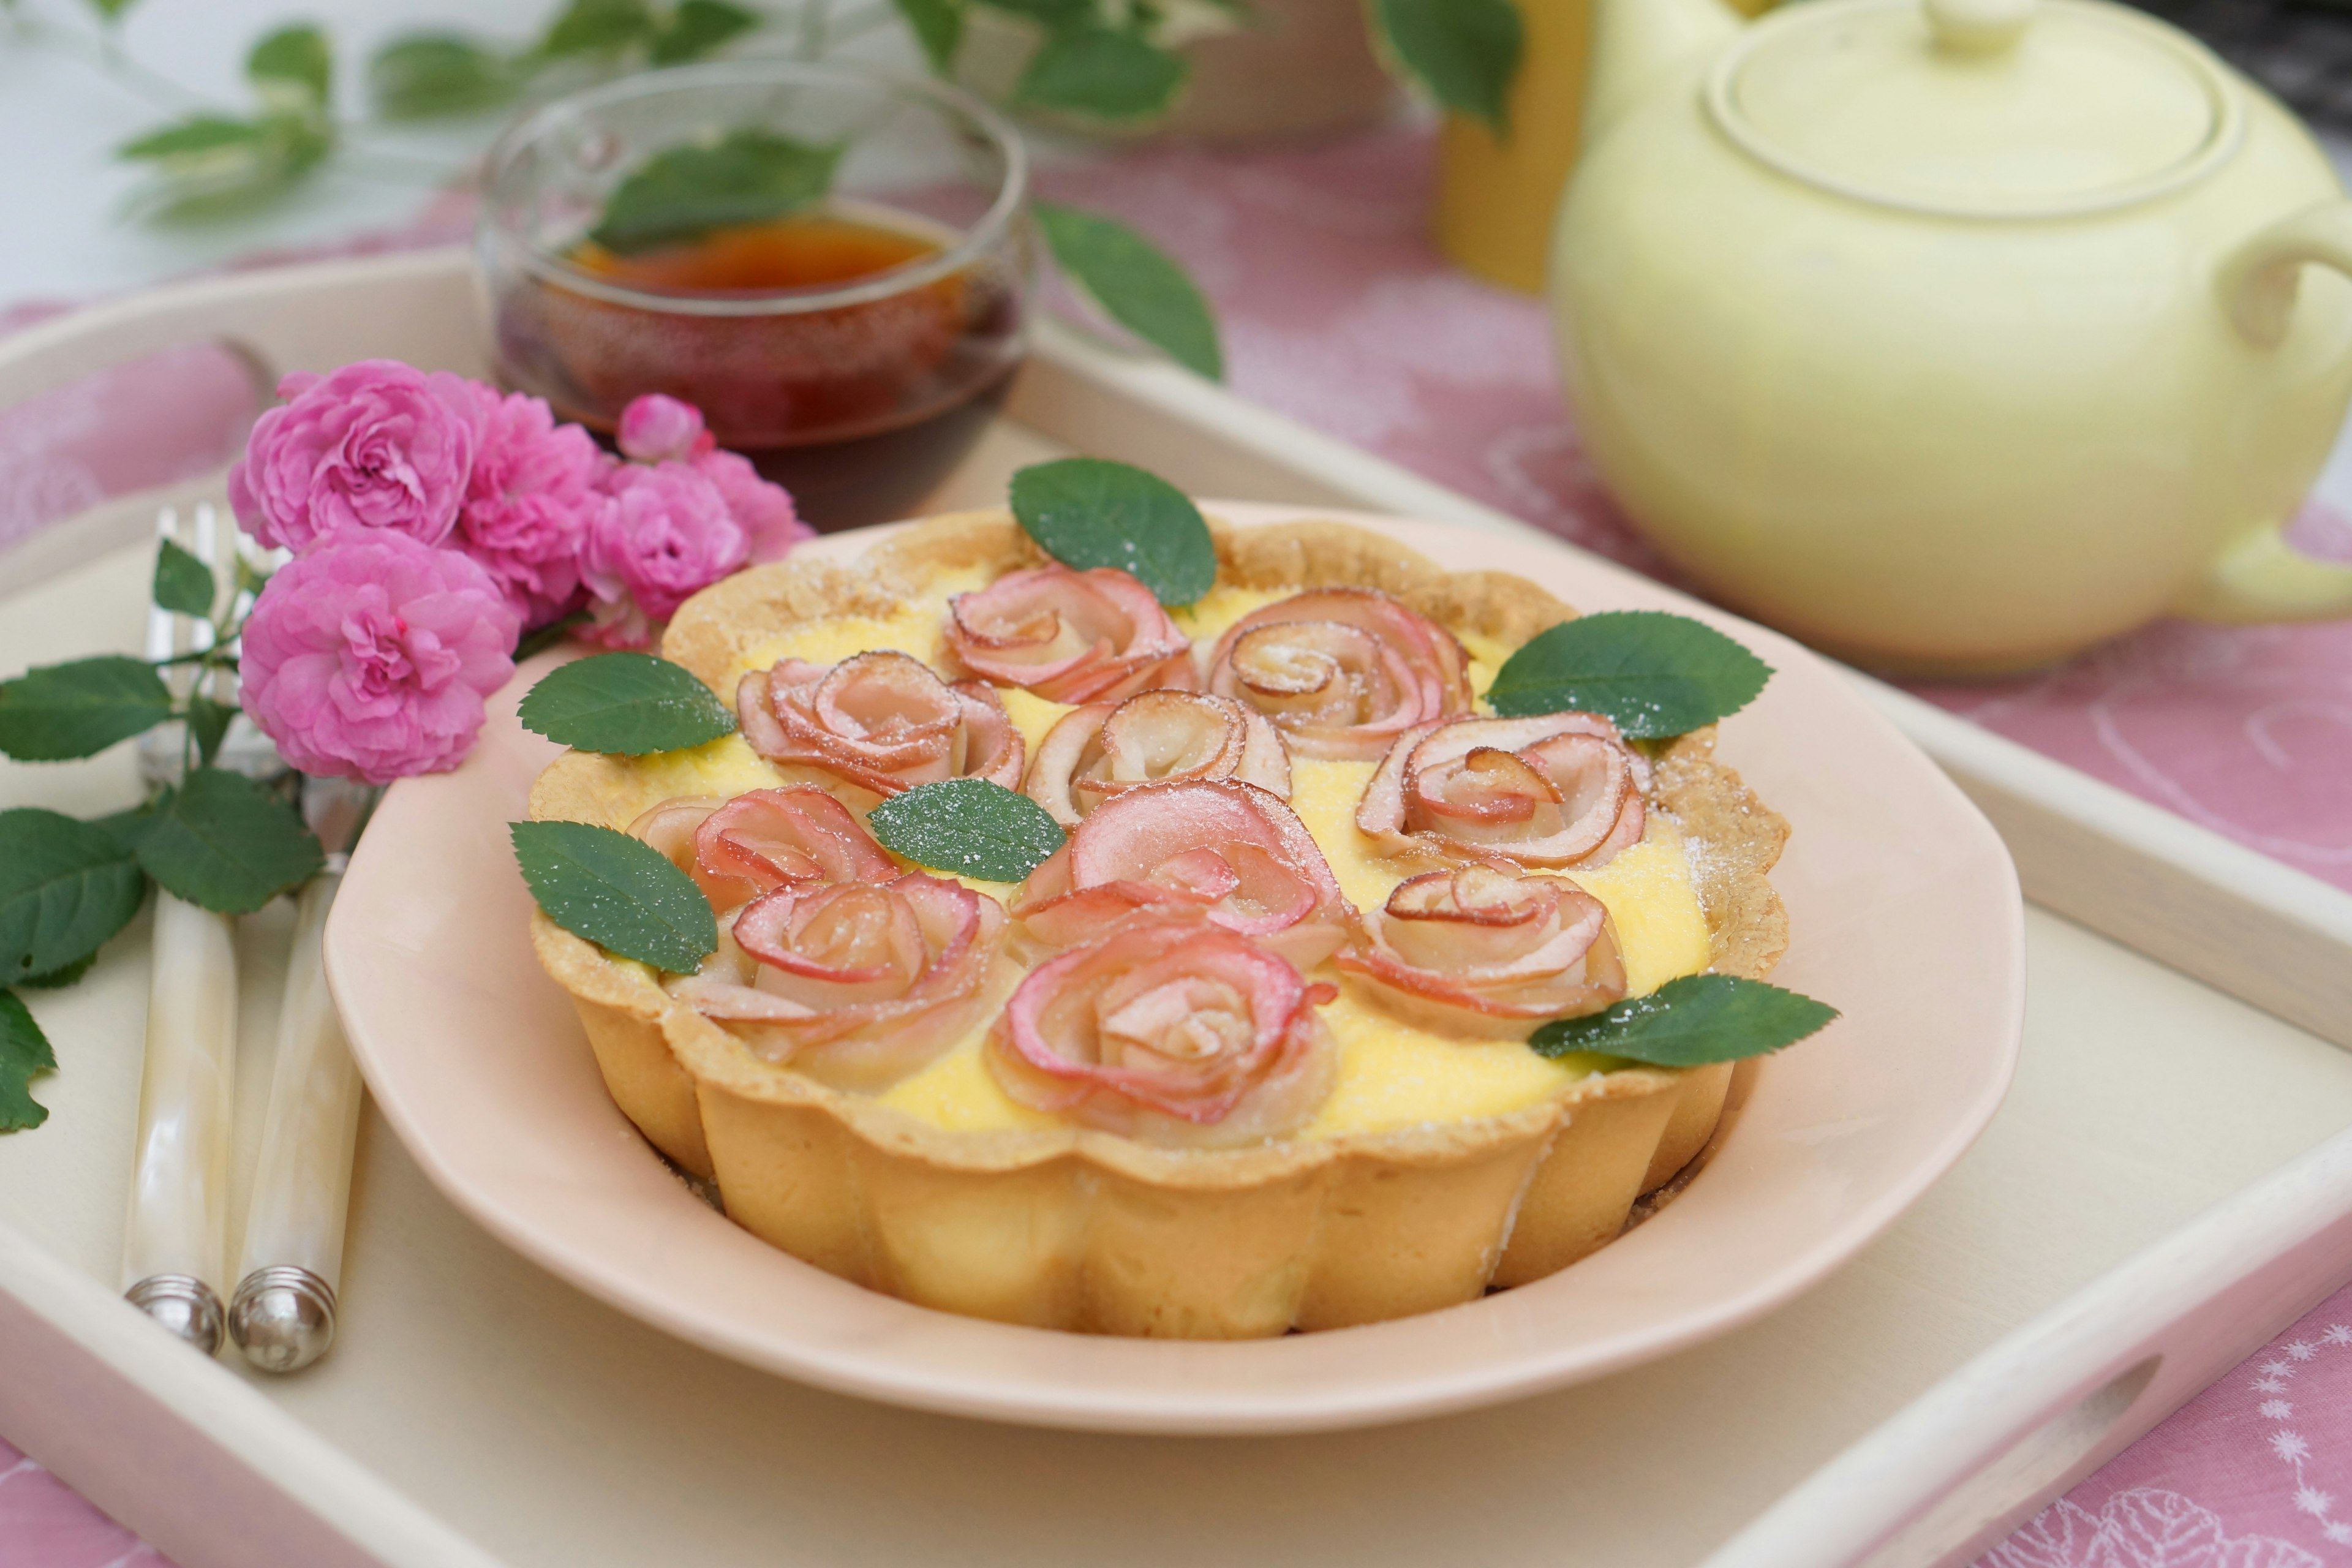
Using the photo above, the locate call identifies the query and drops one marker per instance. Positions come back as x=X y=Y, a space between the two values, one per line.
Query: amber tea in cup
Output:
x=853 y=343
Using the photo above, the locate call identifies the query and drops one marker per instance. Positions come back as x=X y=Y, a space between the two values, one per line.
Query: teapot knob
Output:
x=1979 y=27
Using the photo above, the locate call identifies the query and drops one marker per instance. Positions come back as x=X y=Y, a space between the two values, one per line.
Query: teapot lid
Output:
x=1978 y=108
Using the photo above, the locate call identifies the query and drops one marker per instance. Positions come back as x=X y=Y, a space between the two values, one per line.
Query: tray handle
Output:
x=1982 y=1451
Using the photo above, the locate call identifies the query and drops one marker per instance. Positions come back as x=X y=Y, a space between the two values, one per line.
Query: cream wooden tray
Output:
x=478 y=1412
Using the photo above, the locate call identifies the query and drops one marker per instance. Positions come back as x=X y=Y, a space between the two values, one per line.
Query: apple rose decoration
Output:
x=1070 y=637
x=737 y=849
x=1344 y=671
x=1228 y=851
x=1155 y=736
x=1554 y=789
x=1481 y=950
x=855 y=983
x=882 y=721
x=1171 y=1031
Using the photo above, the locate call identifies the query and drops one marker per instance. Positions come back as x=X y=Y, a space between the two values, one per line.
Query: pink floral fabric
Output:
x=1339 y=312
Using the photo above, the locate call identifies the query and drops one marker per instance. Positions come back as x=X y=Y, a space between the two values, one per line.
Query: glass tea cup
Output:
x=853 y=346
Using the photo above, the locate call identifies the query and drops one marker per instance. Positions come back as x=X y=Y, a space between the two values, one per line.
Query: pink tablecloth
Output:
x=1337 y=312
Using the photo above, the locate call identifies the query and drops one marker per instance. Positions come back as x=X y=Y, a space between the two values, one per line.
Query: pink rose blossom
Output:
x=658 y=429
x=534 y=486
x=376 y=446
x=763 y=510
x=664 y=534
x=369 y=656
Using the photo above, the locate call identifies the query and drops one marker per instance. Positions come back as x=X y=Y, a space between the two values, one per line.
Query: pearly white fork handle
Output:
x=283 y=1317
x=177 y=1233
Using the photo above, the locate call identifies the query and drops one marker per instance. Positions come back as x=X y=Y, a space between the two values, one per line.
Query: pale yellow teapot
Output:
x=1954 y=337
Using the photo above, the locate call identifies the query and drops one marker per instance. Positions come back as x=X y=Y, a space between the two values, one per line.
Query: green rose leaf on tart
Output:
x=65 y=888
x=624 y=704
x=1655 y=674
x=1696 y=1021
x=1087 y=511
x=24 y=1052
x=619 y=893
x=969 y=828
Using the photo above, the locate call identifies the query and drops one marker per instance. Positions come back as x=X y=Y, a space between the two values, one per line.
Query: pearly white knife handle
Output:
x=175 y=1236
x=283 y=1316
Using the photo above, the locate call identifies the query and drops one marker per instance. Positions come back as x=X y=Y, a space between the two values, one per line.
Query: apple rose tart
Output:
x=1269 y=1042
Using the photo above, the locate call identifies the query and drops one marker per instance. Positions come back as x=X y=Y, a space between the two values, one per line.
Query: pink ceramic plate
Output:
x=1905 y=915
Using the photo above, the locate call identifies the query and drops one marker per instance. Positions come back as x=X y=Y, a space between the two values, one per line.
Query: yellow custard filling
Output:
x=1391 y=1073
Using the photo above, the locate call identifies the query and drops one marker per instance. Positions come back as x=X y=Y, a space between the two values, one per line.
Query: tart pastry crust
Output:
x=1076 y=1229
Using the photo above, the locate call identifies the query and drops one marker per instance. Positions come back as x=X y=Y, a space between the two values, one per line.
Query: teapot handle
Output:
x=2258 y=576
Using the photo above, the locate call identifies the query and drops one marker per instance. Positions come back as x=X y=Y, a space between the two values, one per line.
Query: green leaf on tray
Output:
x=1691 y=1022
x=427 y=74
x=58 y=979
x=291 y=67
x=225 y=843
x=627 y=704
x=60 y=711
x=619 y=893
x=597 y=27
x=1136 y=284
x=938 y=25
x=970 y=828
x=65 y=887
x=1464 y=53
x=182 y=583
x=208 y=722
x=697 y=28
x=747 y=176
x=1090 y=512
x=23 y=1054
x=1655 y=673
x=1101 y=74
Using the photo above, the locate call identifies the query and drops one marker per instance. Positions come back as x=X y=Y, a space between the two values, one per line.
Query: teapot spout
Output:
x=1635 y=40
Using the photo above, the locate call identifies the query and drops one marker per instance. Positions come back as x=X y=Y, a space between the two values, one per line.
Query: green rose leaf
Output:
x=1060 y=14
x=627 y=704
x=619 y=893
x=60 y=711
x=58 y=979
x=199 y=138
x=207 y=167
x=1464 y=53
x=938 y=25
x=597 y=27
x=1088 y=512
x=970 y=828
x=65 y=888
x=1655 y=674
x=1101 y=75
x=110 y=11
x=24 y=1053
x=1136 y=284
x=427 y=74
x=223 y=842
x=291 y=68
x=209 y=721
x=697 y=28
x=1691 y=1022
x=183 y=585
x=747 y=176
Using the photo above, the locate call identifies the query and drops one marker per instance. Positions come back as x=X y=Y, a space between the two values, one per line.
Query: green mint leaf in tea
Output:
x=183 y=585
x=226 y=844
x=1696 y=1021
x=427 y=74
x=698 y=28
x=23 y=1054
x=597 y=27
x=969 y=828
x=65 y=888
x=1088 y=512
x=1654 y=673
x=60 y=711
x=747 y=176
x=1100 y=74
x=619 y=893
x=938 y=25
x=292 y=69
x=627 y=704
x=1136 y=284
x=1464 y=53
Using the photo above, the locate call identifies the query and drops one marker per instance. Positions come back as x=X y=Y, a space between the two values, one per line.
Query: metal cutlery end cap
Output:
x=283 y=1319
x=183 y=1304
